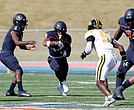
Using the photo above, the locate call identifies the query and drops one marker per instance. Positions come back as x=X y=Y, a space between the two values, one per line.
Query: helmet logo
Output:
x=18 y=18
x=60 y=26
x=94 y=24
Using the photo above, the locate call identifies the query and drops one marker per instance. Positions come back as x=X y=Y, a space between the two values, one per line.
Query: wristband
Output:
x=123 y=53
x=124 y=57
x=48 y=43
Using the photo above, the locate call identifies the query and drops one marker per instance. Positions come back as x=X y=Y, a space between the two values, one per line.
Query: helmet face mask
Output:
x=94 y=24
x=130 y=24
x=20 y=20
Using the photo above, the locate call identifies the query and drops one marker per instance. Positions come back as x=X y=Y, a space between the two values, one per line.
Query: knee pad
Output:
x=120 y=74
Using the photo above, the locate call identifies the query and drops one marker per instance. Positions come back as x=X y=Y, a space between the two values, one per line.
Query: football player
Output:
x=59 y=46
x=102 y=42
x=12 y=39
x=126 y=24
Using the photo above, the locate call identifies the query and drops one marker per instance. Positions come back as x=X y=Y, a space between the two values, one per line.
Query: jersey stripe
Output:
x=100 y=67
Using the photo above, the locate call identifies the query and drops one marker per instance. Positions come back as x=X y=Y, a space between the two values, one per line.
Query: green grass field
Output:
x=43 y=87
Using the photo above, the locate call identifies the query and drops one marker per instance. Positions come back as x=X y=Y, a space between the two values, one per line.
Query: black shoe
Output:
x=118 y=95
x=24 y=94
x=9 y=93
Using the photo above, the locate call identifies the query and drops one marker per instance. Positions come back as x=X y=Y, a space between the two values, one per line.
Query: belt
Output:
x=56 y=57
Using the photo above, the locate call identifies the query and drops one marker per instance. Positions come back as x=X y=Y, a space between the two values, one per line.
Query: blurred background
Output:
x=43 y=14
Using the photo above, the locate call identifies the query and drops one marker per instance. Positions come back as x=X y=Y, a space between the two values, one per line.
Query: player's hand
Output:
x=31 y=47
x=83 y=55
x=60 y=44
x=32 y=42
x=126 y=63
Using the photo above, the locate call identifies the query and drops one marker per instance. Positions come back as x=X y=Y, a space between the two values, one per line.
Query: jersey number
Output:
x=105 y=37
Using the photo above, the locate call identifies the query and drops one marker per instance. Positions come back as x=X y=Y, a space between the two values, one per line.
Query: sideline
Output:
x=73 y=66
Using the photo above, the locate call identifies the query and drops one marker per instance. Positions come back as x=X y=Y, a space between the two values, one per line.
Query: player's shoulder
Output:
x=105 y=31
x=121 y=21
x=50 y=33
x=89 y=33
x=15 y=28
x=68 y=37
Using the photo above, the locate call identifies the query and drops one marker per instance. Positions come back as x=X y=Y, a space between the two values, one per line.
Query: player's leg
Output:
x=64 y=69
x=118 y=92
x=11 y=92
x=6 y=59
x=105 y=64
x=21 y=91
x=120 y=76
x=55 y=66
x=101 y=85
x=106 y=84
x=12 y=63
x=128 y=83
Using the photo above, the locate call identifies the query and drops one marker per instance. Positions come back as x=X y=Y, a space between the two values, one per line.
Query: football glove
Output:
x=83 y=55
x=126 y=63
x=60 y=44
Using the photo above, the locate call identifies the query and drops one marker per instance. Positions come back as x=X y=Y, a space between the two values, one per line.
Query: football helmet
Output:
x=20 y=19
x=94 y=24
x=129 y=15
x=60 y=26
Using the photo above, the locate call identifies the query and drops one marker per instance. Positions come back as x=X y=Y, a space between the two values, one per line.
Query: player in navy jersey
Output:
x=59 y=46
x=12 y=39
x=126 y=24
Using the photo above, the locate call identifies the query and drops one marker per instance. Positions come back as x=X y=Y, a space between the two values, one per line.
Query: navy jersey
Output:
x=6 y=56
x=129 y=32
x=8 y=44
x=54 y=51
x=130 y=50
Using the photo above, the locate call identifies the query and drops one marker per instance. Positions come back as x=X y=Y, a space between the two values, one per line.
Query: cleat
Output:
x=109 y=101
x=65 y=87
x=9 y=93
x=24 y=94
x=60 y=89
x=118 y=93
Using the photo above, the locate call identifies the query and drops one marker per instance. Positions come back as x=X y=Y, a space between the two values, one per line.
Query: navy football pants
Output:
x=9 y=60
x=59 y=64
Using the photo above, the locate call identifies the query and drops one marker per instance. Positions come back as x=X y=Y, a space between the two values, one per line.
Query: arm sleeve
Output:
x=89 y=45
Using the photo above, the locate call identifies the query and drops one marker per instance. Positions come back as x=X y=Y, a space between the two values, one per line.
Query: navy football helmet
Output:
x=94 y=24
x=60 y=26
x=20 y=19
x=129 y=15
